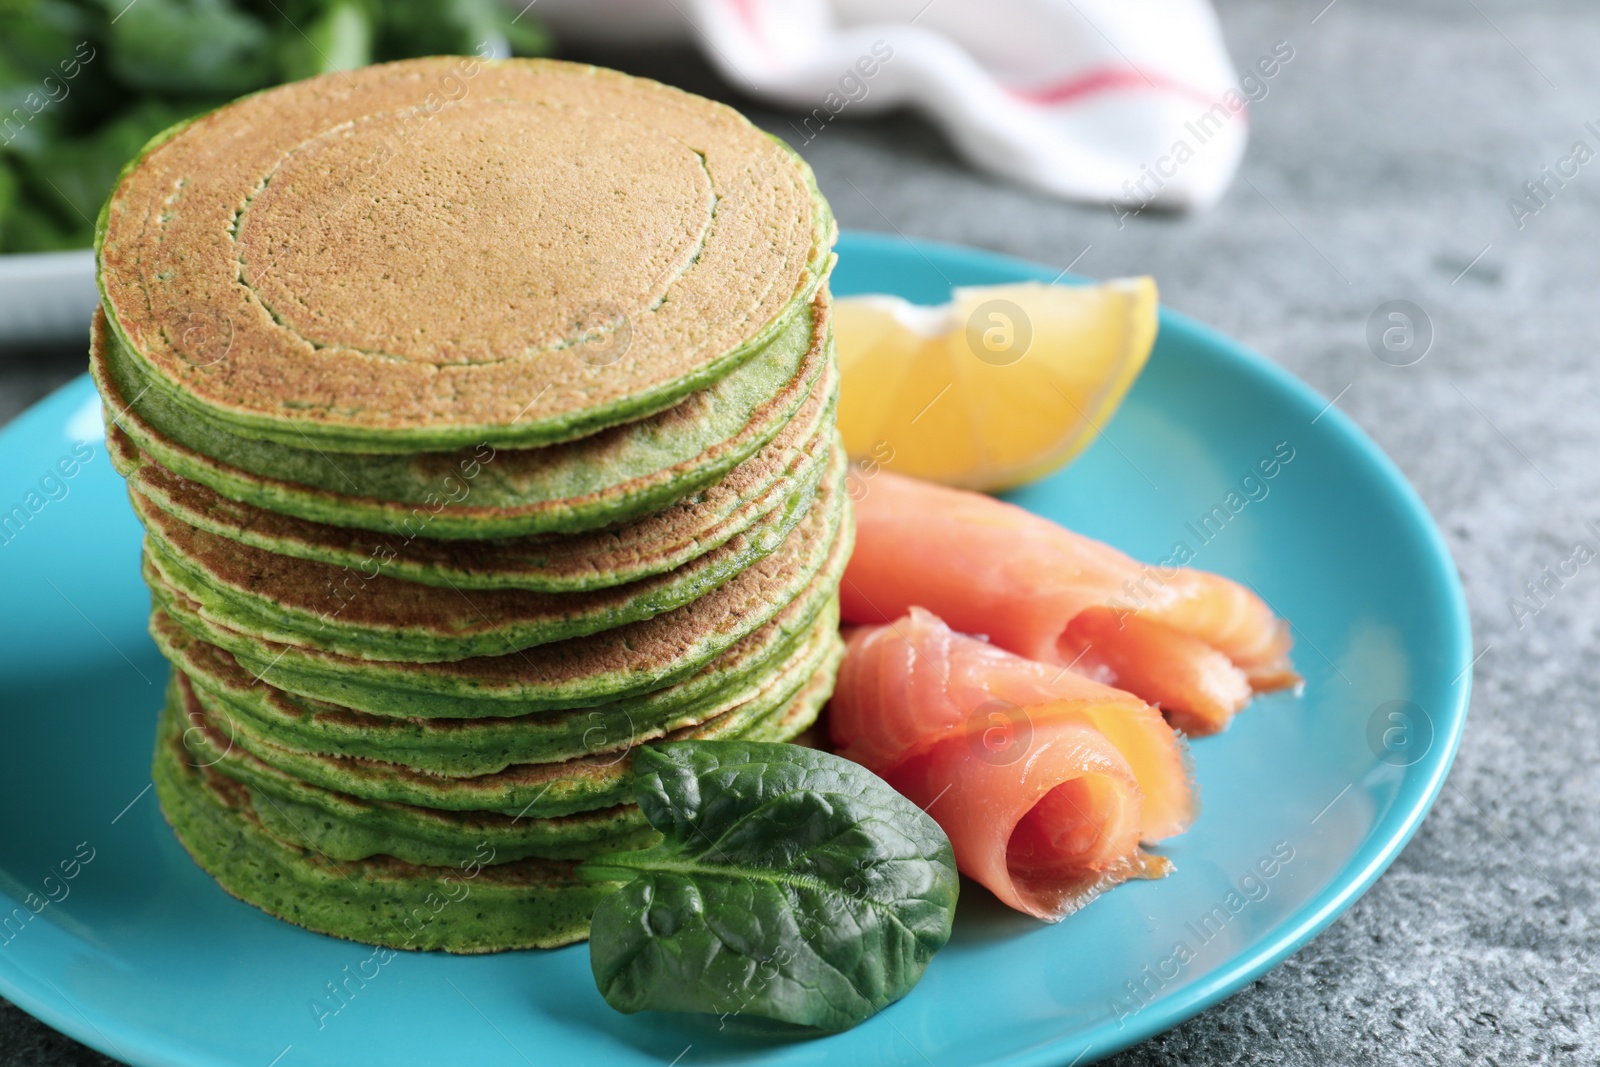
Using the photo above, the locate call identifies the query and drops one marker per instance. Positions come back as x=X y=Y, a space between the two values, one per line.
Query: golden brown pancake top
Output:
x=455 y=245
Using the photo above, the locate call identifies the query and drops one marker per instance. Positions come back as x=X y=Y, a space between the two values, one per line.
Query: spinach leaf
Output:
x=791 y=884
x=203 y=48
x=339 y=38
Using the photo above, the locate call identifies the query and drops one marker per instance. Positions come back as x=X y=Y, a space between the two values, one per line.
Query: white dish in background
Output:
x=46 y=297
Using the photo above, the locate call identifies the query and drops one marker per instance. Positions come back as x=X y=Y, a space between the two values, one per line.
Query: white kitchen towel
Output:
x=1131 y=102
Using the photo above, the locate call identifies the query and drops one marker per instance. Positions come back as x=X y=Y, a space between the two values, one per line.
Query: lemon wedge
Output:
x=1002 y=385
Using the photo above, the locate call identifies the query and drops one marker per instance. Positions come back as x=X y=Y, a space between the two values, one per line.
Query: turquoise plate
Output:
x=1306 y=799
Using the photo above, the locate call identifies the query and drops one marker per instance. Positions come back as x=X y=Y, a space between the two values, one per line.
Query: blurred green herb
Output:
x=85 y=83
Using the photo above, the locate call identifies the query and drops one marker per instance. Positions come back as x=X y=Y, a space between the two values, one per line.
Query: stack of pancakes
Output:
x=480 y=417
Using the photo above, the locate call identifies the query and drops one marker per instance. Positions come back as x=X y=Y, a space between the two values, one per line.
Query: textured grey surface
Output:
x=1380 y=166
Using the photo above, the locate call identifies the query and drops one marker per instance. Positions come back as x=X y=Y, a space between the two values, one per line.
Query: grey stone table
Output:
x=1380 y=167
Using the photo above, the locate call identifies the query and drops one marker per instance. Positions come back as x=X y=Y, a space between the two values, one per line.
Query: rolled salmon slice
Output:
x=1045 y=781
x=1045 y=836
x=1195 y=643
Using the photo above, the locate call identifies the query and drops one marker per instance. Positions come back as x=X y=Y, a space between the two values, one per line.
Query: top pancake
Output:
x=440 y=252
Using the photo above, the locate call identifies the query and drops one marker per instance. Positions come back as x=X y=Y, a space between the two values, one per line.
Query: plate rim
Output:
x=1357 y=874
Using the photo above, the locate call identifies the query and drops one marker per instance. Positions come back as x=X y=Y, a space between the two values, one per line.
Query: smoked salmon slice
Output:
x=1197 y=644
x=1045 y=781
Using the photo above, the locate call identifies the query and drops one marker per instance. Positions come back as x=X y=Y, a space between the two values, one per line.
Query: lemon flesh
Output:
x=1002 y=385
